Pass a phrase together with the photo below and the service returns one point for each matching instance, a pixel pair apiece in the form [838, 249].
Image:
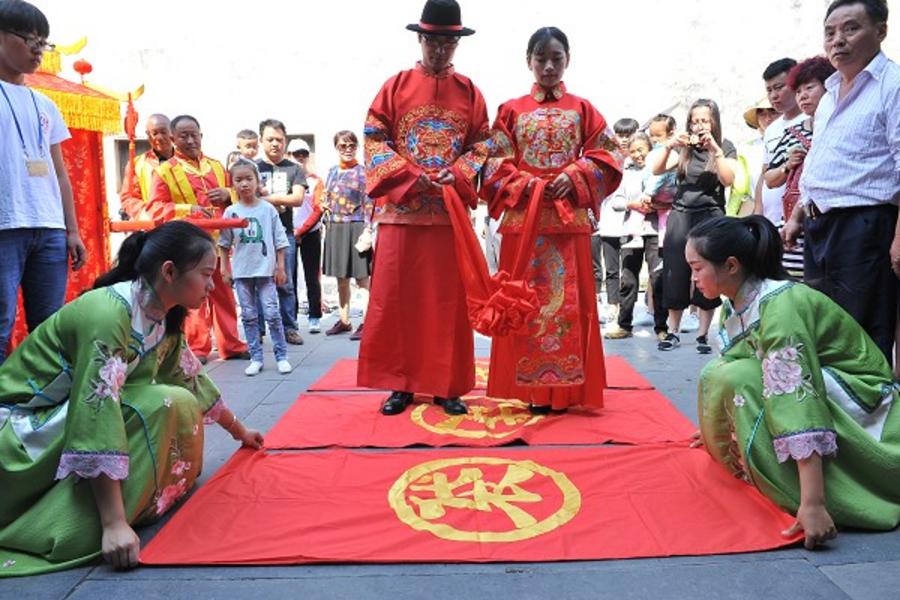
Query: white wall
[316, 65]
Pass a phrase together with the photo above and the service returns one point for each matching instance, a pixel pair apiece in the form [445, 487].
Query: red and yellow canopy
[81, 106]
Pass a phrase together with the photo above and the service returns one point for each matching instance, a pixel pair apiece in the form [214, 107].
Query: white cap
[297, 145]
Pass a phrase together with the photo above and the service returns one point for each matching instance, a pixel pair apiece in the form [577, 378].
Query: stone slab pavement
[858, 565]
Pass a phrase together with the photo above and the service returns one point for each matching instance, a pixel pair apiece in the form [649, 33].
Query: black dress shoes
[539, 410]
[452, 406]
[396, 403]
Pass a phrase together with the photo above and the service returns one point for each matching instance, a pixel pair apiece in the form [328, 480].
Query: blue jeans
[37, 260]
[287, 293]
[251, 290]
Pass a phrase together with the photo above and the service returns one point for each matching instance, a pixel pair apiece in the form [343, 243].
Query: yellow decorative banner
[81, 106]
[87, 112]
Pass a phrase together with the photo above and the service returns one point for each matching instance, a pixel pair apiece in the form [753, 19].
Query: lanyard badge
[36, 167]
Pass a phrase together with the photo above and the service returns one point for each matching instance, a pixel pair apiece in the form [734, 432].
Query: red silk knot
[511, 306]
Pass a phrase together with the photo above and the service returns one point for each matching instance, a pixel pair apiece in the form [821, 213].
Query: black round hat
[441, 17]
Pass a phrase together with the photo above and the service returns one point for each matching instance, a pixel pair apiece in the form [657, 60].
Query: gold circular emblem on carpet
[509, 500]
[487, 418]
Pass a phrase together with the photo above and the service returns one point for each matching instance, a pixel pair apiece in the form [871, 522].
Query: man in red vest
[191, 184]
[159, 134]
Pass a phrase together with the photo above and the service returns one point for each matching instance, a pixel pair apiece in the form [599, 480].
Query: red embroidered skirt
[417, 336]
[560, 362]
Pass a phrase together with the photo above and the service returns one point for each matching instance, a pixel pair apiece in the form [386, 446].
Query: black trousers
[310, 248]
[660, 313]
[597, 262]
[607, 248]
[847, 257]
[632, 261]
[676, 271]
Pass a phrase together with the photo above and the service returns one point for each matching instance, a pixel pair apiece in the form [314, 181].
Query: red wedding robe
[560, 361]
[418, 337]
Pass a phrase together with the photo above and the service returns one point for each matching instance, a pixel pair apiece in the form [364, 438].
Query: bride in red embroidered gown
[561, 139]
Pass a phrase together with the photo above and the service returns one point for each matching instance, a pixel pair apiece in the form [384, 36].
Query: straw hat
[751, 115]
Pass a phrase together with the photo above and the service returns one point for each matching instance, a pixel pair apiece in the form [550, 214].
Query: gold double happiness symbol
[422, 495]
[511, 414]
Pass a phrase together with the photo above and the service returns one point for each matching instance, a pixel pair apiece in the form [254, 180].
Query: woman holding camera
[706, 165]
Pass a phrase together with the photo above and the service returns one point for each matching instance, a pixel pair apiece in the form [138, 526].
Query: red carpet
[342, 376]
[353, 421]
[467, 506]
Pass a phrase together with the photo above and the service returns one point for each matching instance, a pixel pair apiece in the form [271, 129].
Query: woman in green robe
[102, 407]
[801, 401]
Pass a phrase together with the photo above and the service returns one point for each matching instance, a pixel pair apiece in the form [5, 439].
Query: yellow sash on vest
[143, 170]
[175, 177]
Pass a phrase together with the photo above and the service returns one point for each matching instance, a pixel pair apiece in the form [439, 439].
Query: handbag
[364, 241]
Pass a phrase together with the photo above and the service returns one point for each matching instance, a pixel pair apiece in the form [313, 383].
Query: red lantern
[82, 67]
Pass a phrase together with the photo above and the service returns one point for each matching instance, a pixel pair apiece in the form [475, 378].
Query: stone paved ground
[856, 565]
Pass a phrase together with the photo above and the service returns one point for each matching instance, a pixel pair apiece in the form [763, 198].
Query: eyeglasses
[33, 42]
[440, 41]
[346, 146]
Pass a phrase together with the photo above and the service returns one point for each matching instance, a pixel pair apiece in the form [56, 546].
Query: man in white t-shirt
[38, 230]
[782, 99]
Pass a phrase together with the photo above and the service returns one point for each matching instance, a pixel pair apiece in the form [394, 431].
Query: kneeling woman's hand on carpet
[696, 439]
[249, 438]
[812, 517]
[120, 545]
[815, 523]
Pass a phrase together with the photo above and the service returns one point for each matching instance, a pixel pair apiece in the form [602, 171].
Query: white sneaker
[284, 367]
[314, 326]
[609, 314]
[690, 323]
[253, 368]
[642, 318]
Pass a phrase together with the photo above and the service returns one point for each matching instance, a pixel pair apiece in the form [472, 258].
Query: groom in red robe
[427, 127]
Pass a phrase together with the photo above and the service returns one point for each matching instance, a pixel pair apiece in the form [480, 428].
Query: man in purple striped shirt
[851, 180]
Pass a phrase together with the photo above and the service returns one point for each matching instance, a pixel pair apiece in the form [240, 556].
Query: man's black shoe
[396, 403]
[452, 406]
